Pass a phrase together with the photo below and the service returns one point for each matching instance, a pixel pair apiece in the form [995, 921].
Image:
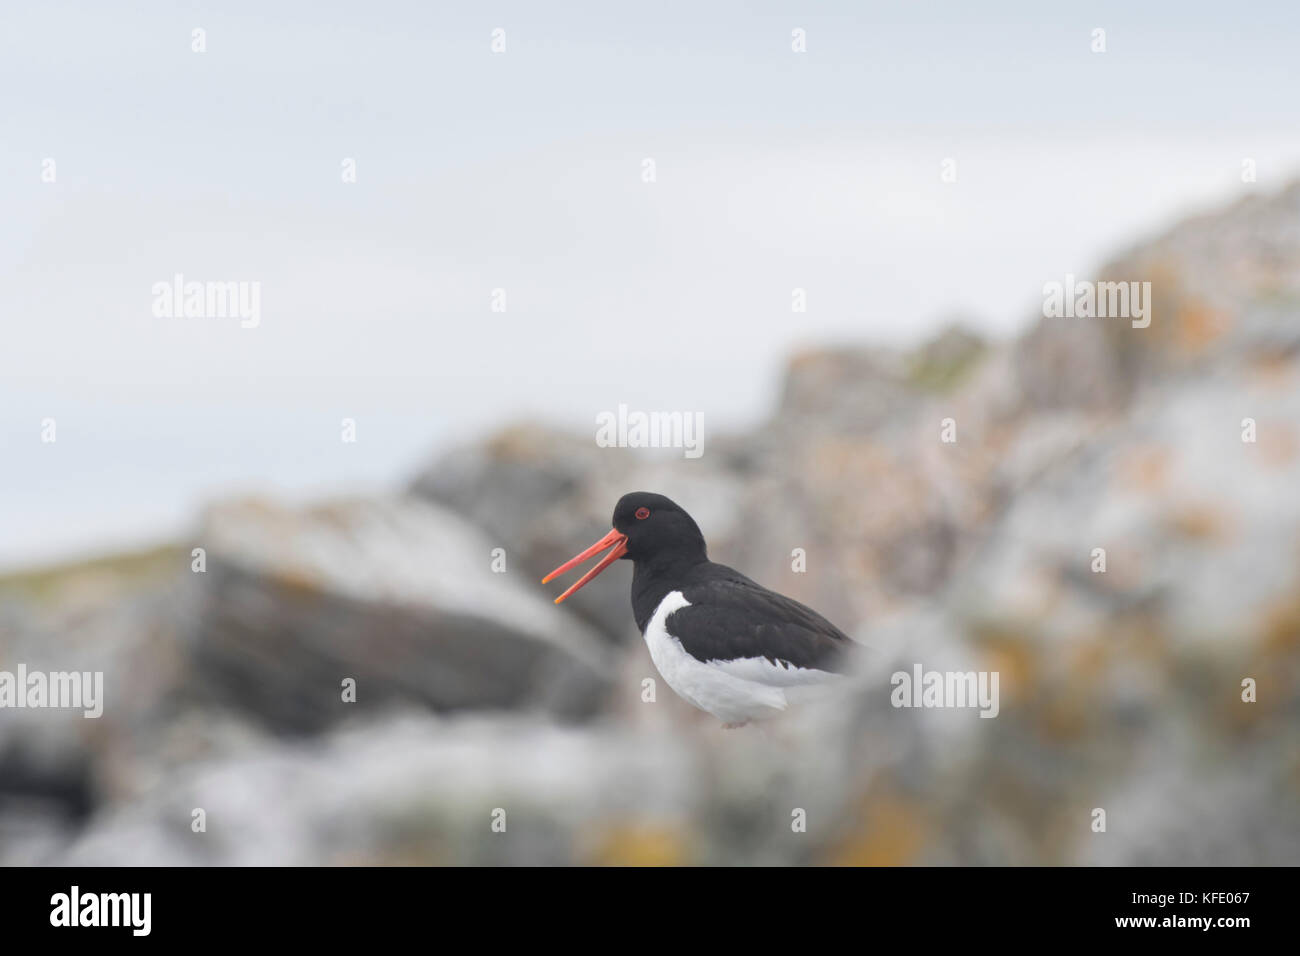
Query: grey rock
[397, 595]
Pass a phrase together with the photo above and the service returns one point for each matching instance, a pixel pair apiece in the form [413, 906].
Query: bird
[722, 642]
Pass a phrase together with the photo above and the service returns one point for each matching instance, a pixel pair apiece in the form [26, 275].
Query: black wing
[731, 617]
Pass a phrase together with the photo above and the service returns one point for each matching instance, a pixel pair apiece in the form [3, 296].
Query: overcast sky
[523, 170]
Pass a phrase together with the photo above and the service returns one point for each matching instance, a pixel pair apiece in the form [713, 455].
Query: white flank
[733, 691]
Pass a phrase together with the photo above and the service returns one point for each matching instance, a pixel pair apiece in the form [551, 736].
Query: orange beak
[615, 540]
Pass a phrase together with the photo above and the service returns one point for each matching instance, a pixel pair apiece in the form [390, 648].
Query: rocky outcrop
[1113, 529]
[396, 595]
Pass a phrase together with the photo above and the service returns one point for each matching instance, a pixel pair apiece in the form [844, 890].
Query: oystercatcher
[722, 642]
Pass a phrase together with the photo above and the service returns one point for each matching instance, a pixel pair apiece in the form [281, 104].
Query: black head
[648, 528]
[656, 527]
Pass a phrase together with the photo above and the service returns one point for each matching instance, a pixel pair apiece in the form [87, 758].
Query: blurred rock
[407, 789]
[1120, 689]
[398, 595]
[113, 615]
[1085, 433]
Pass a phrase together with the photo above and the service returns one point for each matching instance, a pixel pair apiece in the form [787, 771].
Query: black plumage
[732, 617]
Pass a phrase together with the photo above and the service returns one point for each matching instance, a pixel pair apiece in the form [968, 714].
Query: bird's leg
[735, 726]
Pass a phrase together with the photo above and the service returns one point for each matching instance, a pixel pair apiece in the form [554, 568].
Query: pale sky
[523, 171]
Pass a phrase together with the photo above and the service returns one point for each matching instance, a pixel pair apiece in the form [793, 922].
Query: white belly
[733, 691]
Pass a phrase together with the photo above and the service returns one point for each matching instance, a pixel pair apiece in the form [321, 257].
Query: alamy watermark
[635, 429]
[75, 908]
[922, 688]
[1098, 300]
[179, 299]
[55, 690]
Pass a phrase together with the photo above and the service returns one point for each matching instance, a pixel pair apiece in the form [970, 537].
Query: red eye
[642, 513]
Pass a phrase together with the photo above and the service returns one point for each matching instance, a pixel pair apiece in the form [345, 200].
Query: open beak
[615, 540]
